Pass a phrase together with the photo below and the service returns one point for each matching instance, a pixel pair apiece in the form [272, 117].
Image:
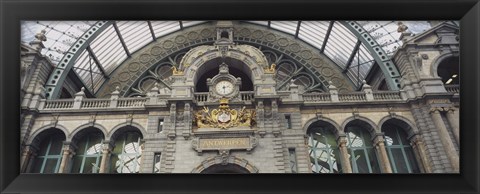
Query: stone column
[420, 154]
[67, 155]
[27, 158]
[453, 119]
[342, 145]
[445, 139]
[106, 152]
[379, 143]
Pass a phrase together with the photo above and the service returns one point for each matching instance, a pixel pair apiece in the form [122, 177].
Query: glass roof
[123, 38]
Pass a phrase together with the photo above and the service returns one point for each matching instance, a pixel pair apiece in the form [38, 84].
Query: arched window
[448, 70]
[126, 155]
[400, 153]
[49, 155]
[89, 153]
[323, 149]
[360, 149]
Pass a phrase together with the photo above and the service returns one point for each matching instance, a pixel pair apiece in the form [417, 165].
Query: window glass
[89, 154]
[156, 162]
[324, 152]
[293, 160]
[125, 157]
[49, 155]
[399, 151]
[362, 154]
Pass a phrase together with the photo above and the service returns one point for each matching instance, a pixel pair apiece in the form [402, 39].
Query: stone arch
[86, 126]
[437, 61]
[307, 125]
[218, 160]
[371, 126]
[252, 58]
[412, 129]
[118, 129]
[160, 50]
[35, 135]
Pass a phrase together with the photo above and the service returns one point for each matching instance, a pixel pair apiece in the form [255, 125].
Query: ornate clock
[223, 85]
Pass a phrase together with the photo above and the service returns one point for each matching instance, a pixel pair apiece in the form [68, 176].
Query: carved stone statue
[401, 27]
[41, 36]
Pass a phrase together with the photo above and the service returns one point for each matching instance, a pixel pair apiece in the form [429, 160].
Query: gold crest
[224, 117]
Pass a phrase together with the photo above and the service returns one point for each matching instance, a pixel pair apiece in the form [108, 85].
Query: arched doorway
[225, 169]
[225, 165]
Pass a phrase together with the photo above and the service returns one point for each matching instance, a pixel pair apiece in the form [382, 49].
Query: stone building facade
[213, 98]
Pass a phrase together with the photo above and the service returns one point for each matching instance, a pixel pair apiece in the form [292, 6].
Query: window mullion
[392, 160]
[314, 148]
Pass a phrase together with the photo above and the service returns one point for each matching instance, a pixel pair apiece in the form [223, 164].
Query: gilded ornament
[271, 69]
[175, 71]
[224, 117]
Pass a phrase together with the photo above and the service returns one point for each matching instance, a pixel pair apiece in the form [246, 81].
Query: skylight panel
[289, 27]
[136, 34]
[313, 32]
[108, 49]
[191, 23]
[263, 23]
[162, 28]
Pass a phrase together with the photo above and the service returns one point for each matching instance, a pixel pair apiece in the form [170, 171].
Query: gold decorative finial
[270, 70]
[175, 71]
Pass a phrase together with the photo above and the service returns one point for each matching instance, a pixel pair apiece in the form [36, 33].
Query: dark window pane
[38, 165]
[77, 163]
[399, 160]
[55, 147]
[113, 163]
[411, 159]
[50, 166]
[44, 147]
[361, 161]
[373, 160]
[81, 146]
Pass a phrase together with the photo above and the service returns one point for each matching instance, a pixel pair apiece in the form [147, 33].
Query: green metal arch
[58, 75]
[392, 75]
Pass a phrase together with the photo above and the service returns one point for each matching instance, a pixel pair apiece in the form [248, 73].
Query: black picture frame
[12, 12]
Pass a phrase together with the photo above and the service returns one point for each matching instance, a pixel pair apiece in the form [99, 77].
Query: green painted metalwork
[324, 152]
[58, 75]
[392, 75]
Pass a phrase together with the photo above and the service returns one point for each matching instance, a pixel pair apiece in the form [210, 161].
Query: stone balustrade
[95, 103]
[317, 97]
[58, 104]
[131, 102]
[91, 103]
[387, 95]
[352, 97]
[201, 96]
[245, 96]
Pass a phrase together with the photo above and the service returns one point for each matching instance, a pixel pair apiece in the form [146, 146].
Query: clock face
[224, 87]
